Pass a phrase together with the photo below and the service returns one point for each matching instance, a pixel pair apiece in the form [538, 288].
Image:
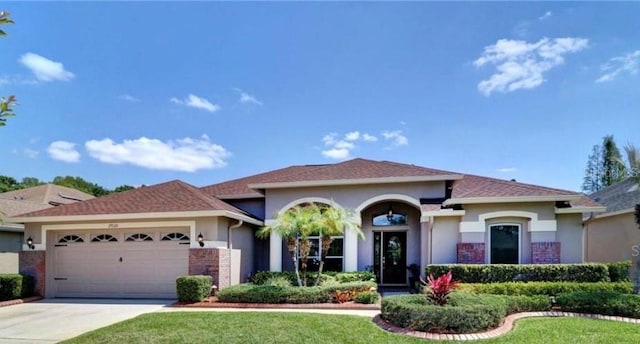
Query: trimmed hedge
[545, 288]
[606, 303]
[464, 313]
[15, 286]
[252, 293]
[261, 277]
[194, 288]
[491, 273]
[619, 271]
[367, 297]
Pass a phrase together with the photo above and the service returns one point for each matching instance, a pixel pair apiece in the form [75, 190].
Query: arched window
[70, 238]
[139, 237]
[104, 238]
[175, 237]
[386, 219]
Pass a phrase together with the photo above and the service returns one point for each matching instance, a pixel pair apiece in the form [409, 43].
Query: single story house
[614, 235]
[134, 243]
[22, 201]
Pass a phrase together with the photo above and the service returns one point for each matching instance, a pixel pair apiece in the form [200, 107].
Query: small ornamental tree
[440, 288]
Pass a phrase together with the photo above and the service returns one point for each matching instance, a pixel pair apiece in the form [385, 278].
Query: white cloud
[129, 98]
[4, 80]
[396, 137]
[340, 148]
[336, 153]
[63, 151]
[185, 155]
[196, 102]
[30, 153]
[246, 98]
[352, 136]
[369, 138]
[520, 65]
[507, 169]
[628, 63]
[44, 69]
[545, 16]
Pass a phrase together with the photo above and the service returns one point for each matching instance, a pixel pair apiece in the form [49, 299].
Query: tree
[81, 184]
[297, 224]
[613, 169]
[28, 182]
[592, 180]
[123, 187]
[6, 104]
[633, 161]
[8, 184]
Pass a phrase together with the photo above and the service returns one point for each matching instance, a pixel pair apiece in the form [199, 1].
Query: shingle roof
[10, 207]
[47, 194]
[173, 196]
[478, 186]
[620, 196]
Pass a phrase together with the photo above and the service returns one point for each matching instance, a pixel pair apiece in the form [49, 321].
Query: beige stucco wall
[350, 197]
[611, 238]
[445, 236]
[545, 211]
[570, 235]
[8, 262]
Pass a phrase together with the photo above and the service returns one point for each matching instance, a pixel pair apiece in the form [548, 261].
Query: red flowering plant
[440, 288]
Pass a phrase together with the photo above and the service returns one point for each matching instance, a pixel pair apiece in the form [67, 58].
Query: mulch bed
[212, 302]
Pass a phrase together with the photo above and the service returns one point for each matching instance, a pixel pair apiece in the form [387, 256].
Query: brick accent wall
[33, 263]
[545, 252]
[214, 262]
[471, 253]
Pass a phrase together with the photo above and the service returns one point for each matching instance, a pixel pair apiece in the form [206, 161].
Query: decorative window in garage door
[104, 238]
[175, 237]
[139, 237]
[70, 238]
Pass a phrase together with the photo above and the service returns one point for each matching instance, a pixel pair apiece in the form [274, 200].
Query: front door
[390, 257]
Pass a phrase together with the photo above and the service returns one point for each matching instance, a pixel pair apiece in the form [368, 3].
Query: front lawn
[272, 327]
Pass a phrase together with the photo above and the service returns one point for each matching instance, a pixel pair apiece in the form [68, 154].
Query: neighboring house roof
[170, 197]
[619, 197]
[10, 207]
[49, 194]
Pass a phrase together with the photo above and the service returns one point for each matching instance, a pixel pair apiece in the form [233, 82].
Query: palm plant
[633, 159]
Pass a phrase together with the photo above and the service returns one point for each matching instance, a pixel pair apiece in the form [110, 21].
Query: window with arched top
[104, 238]
[71, 238]
[395, 219]
[139, 237]
[175, 237]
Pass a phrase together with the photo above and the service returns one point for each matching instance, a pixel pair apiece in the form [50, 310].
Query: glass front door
[505, 246]
[390, 257]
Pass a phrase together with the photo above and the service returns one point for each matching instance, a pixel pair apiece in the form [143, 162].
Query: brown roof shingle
[47, 194]
[173, 196]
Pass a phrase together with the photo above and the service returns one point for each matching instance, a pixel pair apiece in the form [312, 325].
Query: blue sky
[141, 93]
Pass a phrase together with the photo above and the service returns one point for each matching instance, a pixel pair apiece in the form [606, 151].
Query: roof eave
[134, 216]
[359, 181]
[511, 199]
[580, 210]
[615, 213]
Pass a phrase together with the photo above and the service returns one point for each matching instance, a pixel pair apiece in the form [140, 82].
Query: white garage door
[136, 264]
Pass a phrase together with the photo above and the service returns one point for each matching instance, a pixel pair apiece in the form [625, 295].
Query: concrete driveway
[50, 321]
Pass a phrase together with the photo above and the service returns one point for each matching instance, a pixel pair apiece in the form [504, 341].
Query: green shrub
[619, 271]
[261, 277]
[279, 281]
[521, 303]
[367, 297]
[356, 276]
[606, 303]
[193, 288]
[10, 286]
[544, 288]
[28, 285]
[464, 313]
[489, 273]
[251, 293]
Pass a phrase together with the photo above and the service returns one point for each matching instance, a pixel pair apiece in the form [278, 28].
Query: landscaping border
[20, 301]
[506, 326]
[216, 304]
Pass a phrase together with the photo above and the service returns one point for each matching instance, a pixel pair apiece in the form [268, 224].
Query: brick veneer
[471, 253]
[33, 263]
[545, 252]
[214, 262]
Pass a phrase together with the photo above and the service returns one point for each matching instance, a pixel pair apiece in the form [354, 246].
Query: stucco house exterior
[22, 201]
[140, 240]
[614, 235]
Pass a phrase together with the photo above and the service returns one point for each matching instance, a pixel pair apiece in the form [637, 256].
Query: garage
[136, 263]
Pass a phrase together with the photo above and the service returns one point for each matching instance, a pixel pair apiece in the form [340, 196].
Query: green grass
[272, 327]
